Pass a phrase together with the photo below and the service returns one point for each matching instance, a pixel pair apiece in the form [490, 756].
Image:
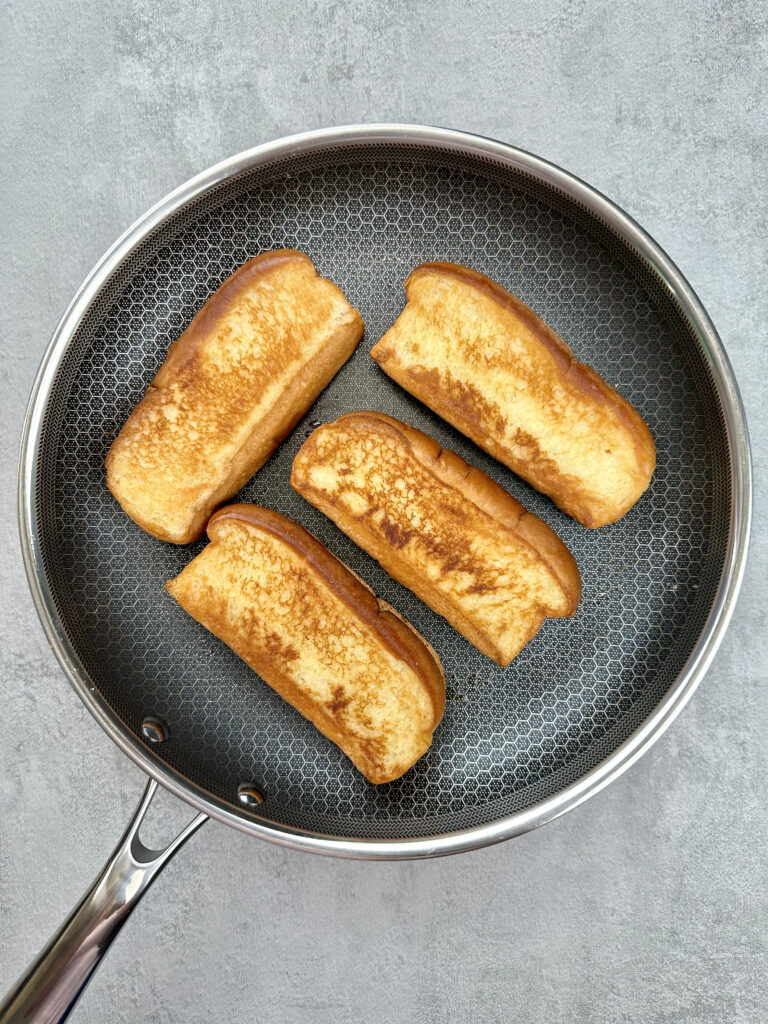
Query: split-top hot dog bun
[484, 361]
[317, 634]
[231, 388]
[442, 528]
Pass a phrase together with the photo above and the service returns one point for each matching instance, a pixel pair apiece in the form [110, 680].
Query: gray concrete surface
[646, 904]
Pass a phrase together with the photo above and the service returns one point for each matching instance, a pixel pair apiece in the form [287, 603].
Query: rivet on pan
[154, 730]
[249, 796]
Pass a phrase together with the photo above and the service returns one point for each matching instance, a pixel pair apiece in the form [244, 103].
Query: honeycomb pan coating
[510, 737]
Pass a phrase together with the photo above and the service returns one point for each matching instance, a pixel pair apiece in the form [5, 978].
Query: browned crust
[486, 494]
[395, 632]
[584, 376]
[505, 299]
[474, 486]
[579, 374]
[187, 346]
[284, 414]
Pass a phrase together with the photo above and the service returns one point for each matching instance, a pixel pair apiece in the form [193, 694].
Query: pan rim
[632, 748]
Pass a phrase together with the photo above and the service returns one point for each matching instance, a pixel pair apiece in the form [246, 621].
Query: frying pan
[517, 746]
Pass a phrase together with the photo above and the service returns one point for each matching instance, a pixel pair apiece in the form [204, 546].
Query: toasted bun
[317, 634]
[234, 384]
[488, 365]
[443, 529]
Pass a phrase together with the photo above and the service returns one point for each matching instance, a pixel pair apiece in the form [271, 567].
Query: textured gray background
[647, 903]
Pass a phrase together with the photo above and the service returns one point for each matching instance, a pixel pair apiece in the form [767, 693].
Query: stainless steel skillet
[517, 747]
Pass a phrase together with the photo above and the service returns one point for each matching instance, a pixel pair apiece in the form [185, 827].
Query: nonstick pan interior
[510, 738]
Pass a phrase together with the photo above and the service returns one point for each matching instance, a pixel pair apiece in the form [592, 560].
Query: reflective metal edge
[741, 501]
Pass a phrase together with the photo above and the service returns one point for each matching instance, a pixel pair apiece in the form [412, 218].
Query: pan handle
[47, 993]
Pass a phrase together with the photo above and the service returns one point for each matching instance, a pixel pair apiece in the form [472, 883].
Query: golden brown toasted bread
[234, 384]
[489, 366]
[443, 529]
[316, 633]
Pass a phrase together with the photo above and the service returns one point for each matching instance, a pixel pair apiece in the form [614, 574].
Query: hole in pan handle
[51, 986]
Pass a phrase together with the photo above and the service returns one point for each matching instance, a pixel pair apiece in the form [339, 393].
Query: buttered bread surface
[312, 630]
[443, 529]
[234, 384]
[487, 364]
